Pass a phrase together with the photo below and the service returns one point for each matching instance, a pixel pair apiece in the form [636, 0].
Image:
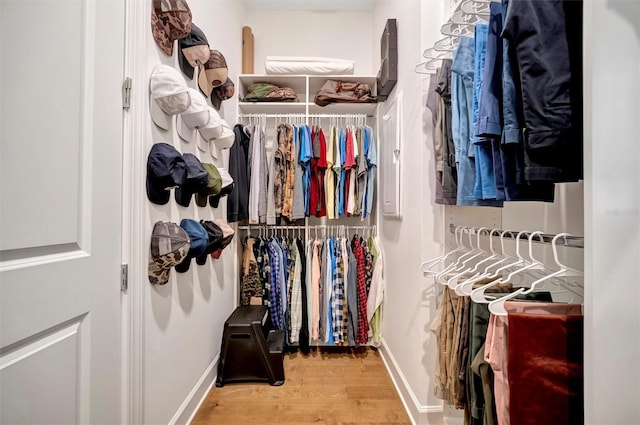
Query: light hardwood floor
[327, 387]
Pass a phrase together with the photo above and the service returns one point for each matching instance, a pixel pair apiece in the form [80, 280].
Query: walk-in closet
[329, 212]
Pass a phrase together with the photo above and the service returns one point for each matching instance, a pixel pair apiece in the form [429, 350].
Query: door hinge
[124, 277]
[126, 93]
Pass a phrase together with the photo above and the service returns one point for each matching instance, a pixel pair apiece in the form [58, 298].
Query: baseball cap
[227, 236]
[169, 95]
[196, 180]
[213, 188]
[166, 169]
[194, 51]
[218, 132]
[170, 20]
[169, 247]
[223, 92]
[214, 73]
[227, 187]
[199, 240]
[215, 238]
[196, 116]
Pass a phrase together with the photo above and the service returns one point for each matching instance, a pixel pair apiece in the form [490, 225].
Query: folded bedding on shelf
[308, 65]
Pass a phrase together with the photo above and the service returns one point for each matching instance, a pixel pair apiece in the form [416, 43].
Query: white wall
[177, 328]
[409, 300]
[612, 206]
[334, 34]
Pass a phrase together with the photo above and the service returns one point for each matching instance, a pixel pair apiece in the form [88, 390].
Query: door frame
[134, 240]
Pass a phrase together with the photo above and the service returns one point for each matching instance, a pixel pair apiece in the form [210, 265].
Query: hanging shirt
[362, 329]
[271, 200]
[337, 296]
[305, 157]
[297, 211]
[315, 290]
[275, 308]
[342, 140]
[374, 302]
[238, 199]
[337, 168]
[285, 138]
[330, 187]
[295, 296]
[372, 164]
[263, 178]
[331, 272]
[254, 186]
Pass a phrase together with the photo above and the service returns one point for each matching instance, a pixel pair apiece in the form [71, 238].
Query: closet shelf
[272, 107]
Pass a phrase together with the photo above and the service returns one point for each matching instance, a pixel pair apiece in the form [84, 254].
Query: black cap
[196, 39]
[197, 179]
[215, 240]
[214, 200]
[166, 169]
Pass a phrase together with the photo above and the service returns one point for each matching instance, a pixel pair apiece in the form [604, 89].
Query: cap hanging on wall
[170, 21]
[194, 51]
[169, 95]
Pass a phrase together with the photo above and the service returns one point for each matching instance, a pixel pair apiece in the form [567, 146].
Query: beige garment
[496, 352]
[315, 290]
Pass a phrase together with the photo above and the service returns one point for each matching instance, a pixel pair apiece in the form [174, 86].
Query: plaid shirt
[362, 330]
[275, 306]
[337, 297]
[262, 259]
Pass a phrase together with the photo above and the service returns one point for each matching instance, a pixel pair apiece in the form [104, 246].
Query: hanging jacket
[238, 199]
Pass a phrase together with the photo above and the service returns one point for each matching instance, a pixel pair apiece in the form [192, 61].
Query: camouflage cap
[169, 246]
[170, 21]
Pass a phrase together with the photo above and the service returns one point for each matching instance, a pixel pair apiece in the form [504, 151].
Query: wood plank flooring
[326, 387]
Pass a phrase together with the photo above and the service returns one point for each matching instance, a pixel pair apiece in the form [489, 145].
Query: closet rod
[305, 115]
[316, 226]
[543, 238]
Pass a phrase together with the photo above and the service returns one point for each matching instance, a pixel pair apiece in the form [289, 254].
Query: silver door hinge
[124, 277]
[126, 93]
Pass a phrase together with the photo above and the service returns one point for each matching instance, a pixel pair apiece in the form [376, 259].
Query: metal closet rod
[305, 115]
[302, 226]
[571, 241]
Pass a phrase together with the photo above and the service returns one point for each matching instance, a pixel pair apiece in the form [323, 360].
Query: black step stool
[250, 350]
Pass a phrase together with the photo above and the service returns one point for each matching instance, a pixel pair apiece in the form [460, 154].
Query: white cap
[213, 129]
[169, 95]
[226, 138]
[195, 117]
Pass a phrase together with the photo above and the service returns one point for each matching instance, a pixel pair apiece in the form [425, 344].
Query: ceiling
[310, 4]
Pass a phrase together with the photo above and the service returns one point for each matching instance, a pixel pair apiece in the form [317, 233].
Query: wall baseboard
[196, 396]
[419, 414]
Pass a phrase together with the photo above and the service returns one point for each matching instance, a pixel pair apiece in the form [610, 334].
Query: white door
[61, 64]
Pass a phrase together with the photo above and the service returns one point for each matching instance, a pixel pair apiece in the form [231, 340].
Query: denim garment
[489, 120]
[449, 174]
[462, 107]
[546, 37]
[485, 185]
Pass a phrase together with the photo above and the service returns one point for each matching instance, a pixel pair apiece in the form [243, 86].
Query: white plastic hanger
[465, 288]
[426, 266]
[464, 269]
[453, 267]
[497, 306]
[477, 294]
[475, 271]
